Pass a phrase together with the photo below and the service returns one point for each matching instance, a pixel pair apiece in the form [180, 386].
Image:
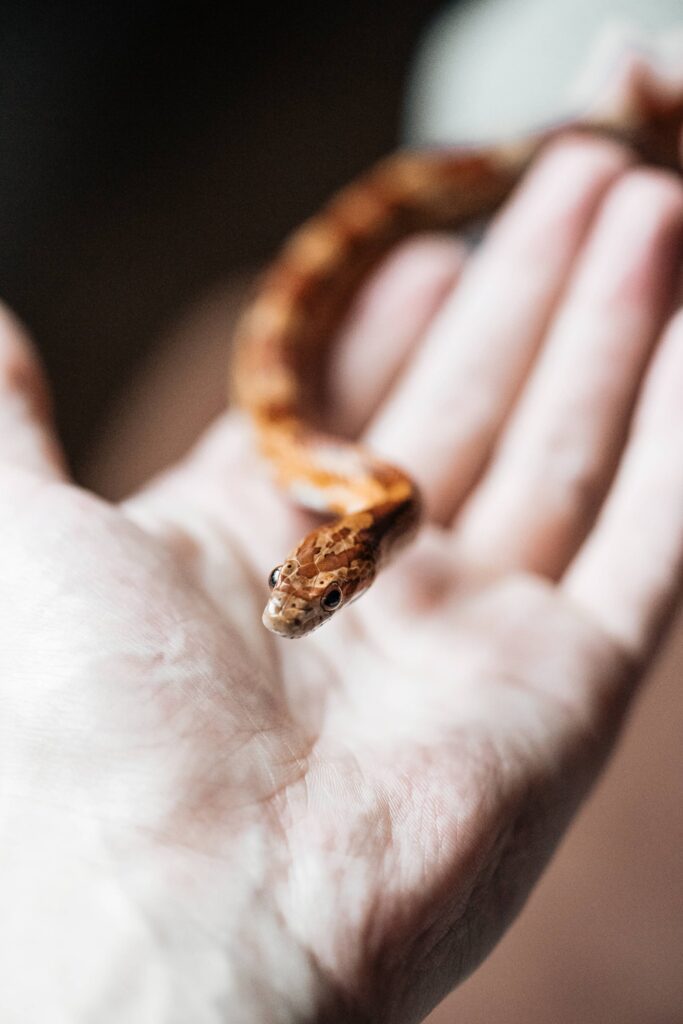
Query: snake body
[300, 301]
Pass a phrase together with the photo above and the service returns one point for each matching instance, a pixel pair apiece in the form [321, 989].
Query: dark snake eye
[274, 576]
[331, 599]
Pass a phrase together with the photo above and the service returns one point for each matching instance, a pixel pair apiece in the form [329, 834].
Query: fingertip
[571, 173]
[16, 349]
[583, 153]
[427, 259]
[26, 427]
[647, 189]
[21, 370]
[634, 250]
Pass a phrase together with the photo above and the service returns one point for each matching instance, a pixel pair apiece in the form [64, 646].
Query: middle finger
[443, 416]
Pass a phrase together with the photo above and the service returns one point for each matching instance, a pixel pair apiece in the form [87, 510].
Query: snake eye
[274, 576]
[331, 599]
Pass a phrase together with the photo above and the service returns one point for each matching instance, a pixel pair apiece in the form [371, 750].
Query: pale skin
[202, 822]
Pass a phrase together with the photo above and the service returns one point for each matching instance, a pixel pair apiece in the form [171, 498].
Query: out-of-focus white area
[487, 69]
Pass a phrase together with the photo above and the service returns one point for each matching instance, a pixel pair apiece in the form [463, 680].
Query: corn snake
[300, 302]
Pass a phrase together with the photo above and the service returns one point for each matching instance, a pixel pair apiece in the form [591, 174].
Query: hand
[202, 822]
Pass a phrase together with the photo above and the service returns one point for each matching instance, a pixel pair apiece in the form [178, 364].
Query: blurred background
[152, 158]
[150, 151]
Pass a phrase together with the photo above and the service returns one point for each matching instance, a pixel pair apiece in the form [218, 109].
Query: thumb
[27, 434]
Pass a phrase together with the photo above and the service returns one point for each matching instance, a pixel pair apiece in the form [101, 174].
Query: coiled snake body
[299, 303]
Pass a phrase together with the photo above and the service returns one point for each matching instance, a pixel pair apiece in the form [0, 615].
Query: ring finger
[556, 457]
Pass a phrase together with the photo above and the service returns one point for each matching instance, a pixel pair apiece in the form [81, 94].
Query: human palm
[204, 822]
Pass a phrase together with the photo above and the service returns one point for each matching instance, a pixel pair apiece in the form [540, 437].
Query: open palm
[204, 822]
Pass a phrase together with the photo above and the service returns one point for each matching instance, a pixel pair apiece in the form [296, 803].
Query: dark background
[148, 153]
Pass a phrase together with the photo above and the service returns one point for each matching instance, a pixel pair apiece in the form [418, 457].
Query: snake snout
[284, 616]
[274, 623]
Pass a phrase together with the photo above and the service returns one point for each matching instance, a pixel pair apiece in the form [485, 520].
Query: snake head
[315, 581]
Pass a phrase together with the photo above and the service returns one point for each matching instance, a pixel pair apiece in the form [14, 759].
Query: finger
[443, 417]
[627, 574]
[387, 319]
[559, 450]
[27, 437]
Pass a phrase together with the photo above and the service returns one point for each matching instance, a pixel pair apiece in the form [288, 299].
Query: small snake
[302, 298]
